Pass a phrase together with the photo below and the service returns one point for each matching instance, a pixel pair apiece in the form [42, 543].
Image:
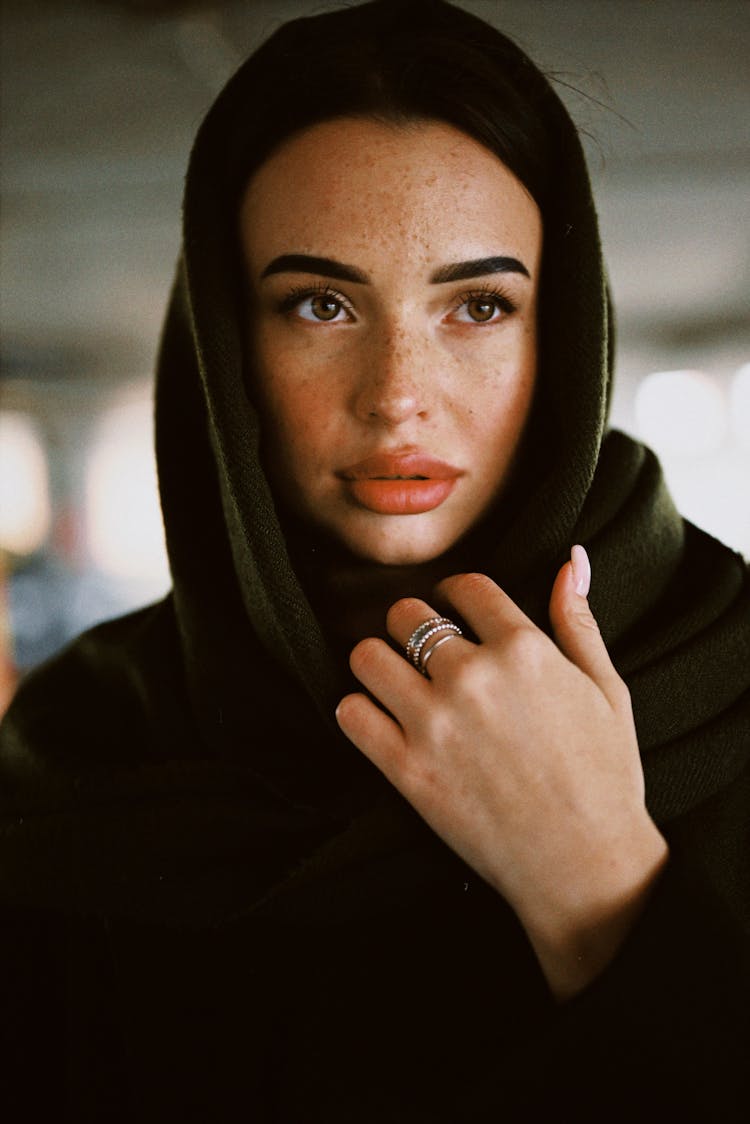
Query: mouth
[408, 483]
[399, 477]
[401, 466]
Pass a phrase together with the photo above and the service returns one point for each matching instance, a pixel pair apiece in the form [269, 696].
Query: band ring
[424, 632]
[426, 655]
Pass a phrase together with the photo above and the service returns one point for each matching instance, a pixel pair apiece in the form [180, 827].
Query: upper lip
[386, 465]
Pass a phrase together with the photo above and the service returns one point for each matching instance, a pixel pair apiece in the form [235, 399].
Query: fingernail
[579, 560]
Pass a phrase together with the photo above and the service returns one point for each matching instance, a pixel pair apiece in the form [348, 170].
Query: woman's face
[393, 277]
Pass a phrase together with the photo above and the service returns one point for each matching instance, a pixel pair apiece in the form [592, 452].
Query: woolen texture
[214, 907]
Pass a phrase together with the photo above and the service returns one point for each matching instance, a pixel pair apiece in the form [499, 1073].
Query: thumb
[575, 629]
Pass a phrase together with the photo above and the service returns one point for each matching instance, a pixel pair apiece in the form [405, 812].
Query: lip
[373, 484]
[400, 464]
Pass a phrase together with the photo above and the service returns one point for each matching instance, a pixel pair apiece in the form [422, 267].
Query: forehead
[365, 188]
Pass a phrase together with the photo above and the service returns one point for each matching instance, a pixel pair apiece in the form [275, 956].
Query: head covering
[222, 430]
[203, 730]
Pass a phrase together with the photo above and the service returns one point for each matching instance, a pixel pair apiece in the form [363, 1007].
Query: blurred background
[100, 101]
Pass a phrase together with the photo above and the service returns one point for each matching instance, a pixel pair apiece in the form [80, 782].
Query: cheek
[500, 402]
[296, 419]
[282, 394]
[304, 386]
[518, 409]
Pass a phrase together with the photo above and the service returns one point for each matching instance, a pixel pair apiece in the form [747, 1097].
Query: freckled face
[393, 276]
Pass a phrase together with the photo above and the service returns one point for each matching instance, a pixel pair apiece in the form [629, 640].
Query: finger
[406, 616]
[390, 678]
[371, 731]
[575, 629]
[486, 608]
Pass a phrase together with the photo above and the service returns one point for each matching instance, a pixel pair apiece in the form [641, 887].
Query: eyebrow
[465, 270]
[329, 267]
[304, 263]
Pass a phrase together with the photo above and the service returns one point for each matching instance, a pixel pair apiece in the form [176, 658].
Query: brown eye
[481, 309]
[325, 307]
[318, 305]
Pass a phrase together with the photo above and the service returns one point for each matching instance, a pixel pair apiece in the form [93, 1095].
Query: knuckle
[416, 778]
[578, 614]
[434, 729]
[530, 653]
[476, 583]
[402, 611]
[527, 644]
[473, 678]
[365, 655]
[346, 709]
[463, 677]
[586, 619]
[467, 584]
[476, 579]
[351, 715]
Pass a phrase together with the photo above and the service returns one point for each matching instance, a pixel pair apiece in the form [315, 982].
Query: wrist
[580, 928]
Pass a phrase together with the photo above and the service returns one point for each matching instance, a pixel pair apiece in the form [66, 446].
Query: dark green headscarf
[179, 762]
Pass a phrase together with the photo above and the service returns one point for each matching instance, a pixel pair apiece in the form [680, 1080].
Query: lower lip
[400, 497]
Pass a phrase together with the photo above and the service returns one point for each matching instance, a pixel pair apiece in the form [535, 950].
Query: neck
[351, 596]
[353, 599]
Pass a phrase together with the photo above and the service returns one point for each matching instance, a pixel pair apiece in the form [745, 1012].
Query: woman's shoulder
[687, 665]
[91, 700]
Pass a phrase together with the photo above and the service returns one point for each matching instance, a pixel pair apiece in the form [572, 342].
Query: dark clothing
[191, 944]
[215, 907]
[431, 1009]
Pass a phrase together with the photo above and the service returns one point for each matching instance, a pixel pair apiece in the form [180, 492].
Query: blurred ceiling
[100, 101]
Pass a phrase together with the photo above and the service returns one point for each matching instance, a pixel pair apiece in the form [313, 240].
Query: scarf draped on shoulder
[183, 763]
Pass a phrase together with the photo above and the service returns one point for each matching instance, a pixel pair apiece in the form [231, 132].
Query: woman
[381, 410]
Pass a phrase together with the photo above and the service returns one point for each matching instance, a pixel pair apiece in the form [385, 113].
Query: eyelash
[489, 293]
[299, 293]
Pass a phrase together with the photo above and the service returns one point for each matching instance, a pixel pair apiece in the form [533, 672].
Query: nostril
[393, 410]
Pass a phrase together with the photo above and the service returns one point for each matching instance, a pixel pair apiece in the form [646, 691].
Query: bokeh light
[24, 488]
[681, 412]
[739, 409]
[699, 427]
[123, 517]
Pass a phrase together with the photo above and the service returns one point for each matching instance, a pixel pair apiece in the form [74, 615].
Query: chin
[402, 545]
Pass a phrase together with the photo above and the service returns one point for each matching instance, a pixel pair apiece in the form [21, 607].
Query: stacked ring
[424, 632]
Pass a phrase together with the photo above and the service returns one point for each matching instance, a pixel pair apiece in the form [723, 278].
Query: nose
[393, 387]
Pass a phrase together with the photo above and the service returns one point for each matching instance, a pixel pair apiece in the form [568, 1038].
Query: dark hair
[406, 60]
[400, 60]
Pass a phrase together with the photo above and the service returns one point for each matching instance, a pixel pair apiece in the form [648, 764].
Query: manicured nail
[579, 560]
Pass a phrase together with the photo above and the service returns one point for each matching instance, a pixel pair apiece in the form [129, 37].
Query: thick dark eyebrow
[305, 263]
[465, 270]
[329, 267]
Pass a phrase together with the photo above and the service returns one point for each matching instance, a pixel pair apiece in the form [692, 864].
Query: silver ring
[419, 631]
[423, 633]
[426, 655]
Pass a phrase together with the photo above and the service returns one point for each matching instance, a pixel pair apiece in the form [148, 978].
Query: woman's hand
[522, 755]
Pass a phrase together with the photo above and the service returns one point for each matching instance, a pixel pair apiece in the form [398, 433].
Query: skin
[519, 751]
[407, 368]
